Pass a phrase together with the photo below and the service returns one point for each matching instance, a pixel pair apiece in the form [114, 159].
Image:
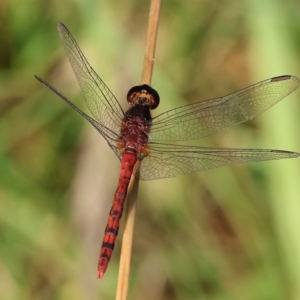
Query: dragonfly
[137, 138]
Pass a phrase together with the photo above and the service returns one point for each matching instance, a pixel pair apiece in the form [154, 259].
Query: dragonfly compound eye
[143, 95]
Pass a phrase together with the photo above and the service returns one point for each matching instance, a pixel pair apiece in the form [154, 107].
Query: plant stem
[123, 279]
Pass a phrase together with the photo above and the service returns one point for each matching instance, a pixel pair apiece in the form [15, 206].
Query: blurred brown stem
[151, 42]
[123, 279]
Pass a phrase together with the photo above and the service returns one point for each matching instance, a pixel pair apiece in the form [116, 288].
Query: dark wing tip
[281, 78]
[61, 26]
[38, 78]
[287, 153]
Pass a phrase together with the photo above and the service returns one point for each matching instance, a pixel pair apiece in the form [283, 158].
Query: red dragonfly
[135, 136]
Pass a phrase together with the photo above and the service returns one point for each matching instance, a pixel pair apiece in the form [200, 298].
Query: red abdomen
[128, 161]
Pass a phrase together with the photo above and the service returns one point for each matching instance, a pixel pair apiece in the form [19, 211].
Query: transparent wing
[110, 136]
[167, 161]
[100, 100]
[207, 117]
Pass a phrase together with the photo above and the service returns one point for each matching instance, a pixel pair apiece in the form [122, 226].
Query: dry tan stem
[123, 279]
[151, 42]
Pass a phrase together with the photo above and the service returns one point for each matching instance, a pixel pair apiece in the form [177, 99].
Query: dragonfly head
[143, 95]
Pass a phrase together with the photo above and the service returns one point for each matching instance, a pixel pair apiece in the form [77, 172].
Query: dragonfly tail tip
[100, 274]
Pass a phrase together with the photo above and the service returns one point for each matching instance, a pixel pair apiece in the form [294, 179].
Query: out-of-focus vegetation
[229, 233]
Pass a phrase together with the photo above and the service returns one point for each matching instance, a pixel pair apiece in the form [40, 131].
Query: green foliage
[230, 233]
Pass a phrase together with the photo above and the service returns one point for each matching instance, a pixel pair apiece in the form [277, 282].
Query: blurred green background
[229, 233]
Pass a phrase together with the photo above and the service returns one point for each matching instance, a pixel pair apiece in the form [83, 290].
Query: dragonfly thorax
[135, 130]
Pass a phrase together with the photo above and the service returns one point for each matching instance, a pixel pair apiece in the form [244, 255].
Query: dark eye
[149, 92]
[132, 92]
[154, 95]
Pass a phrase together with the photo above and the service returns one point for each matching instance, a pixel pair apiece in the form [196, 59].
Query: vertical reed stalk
[123, 279]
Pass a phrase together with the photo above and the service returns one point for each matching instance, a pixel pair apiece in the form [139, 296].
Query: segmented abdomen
[128, 161]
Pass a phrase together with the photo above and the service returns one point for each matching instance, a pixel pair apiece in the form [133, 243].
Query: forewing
[100, 100]
[167, 161]
[110, 136]
[207, 117]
